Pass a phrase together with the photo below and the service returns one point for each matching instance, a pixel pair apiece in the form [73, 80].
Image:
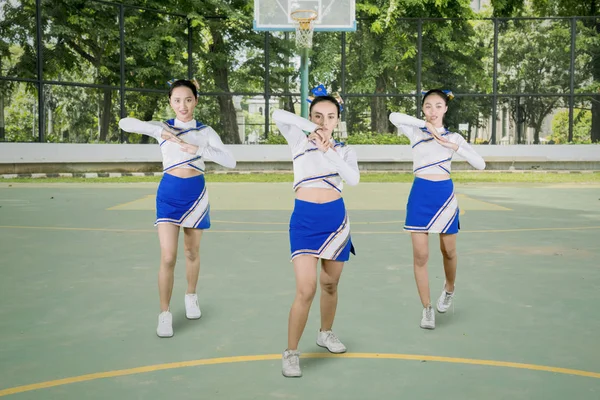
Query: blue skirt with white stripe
[320, 230]
[432, 207]
[183, 202]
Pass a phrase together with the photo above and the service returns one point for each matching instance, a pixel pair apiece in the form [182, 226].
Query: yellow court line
[265, 357]
[575, 228]
[287, 223]
[119, 230]
[119, 206]
[248, 222]
[61, 228]
[493, 205]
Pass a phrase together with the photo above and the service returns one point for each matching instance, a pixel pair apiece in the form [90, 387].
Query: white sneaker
[328, 340]
[192, 309]
[445, 300]
[428, 320]
[165, 324]
[291, 363]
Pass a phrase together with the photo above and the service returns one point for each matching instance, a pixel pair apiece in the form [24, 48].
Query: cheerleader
[319, 225]
[181, 199]
[432, 205]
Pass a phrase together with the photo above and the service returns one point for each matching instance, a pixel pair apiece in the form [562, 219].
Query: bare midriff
[184, 172]
[317, 195]
[434, 177]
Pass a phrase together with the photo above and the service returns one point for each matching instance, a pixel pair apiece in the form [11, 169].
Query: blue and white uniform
[432, 205]
[183, 201]
[319, 230]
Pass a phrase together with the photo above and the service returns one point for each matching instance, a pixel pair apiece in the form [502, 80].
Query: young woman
[181, 200]
[319, 225]
[432, 206]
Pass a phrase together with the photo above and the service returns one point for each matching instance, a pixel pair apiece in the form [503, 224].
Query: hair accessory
[193, 80]
[447, 92]
[321, 91]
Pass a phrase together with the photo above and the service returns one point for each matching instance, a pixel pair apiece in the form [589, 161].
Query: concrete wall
[23, 158]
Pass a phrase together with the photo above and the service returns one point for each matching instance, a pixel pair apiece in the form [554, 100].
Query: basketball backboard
[332, 15]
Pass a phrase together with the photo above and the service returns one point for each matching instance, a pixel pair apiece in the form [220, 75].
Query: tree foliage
[81, 43]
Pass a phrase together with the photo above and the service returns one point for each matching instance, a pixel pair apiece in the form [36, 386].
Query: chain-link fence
[70, 70]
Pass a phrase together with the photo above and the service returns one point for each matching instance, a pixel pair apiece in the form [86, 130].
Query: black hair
[439, 92]
[319, 99]
[186, 83]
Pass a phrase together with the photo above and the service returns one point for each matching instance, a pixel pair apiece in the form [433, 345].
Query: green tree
[588, 49]
[16, 58]
[531, 62]
[382, 58]
[220, 41]
[155, 52]
[80, 33]
[582, 122]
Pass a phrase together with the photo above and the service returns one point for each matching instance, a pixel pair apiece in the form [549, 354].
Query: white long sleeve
[134, 125]
[429, 157]
[403, 119]
[466, 151]
[346, 167]
[407, 125]
[292, 126]
[208, 141]
[313, 168]
[214, 149]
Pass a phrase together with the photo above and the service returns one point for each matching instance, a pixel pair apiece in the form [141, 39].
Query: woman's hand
[170, 137]
[446, 143]
[432, 130]
[185, 146]
[318, 138]
[188, 148]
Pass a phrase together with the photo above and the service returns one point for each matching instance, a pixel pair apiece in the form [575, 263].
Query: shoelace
[294, 359]
[429, 313]
[447, 298]
[331, 337]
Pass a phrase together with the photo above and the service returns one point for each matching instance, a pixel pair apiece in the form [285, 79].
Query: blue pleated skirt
[432, 207]
[183, 202]
[320, 230]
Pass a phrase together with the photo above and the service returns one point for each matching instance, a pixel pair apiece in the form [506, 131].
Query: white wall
[16, 153]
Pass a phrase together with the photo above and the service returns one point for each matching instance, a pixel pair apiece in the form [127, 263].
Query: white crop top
[209, 144]
[312, 167]
[429, 157]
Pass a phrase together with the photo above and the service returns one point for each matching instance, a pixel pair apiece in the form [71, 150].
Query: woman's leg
[168, 236]
[329, 279]
[420, 242]
[305, 268]
[192, 257]
[192, 269]
[448, 248]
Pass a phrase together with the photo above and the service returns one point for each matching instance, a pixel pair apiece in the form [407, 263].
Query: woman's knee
[306, 292]
[192, 255]
[420, 257]
[329, 287]
[168, 258]
[449, 253]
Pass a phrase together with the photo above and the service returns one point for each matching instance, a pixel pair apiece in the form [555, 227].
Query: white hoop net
[303, 19]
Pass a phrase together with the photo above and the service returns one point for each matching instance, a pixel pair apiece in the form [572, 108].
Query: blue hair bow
[322, 91]
[319, 91]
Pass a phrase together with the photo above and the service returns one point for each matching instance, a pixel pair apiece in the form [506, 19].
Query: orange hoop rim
[304, 20]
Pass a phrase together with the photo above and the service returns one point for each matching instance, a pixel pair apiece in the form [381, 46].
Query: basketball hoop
[303, 20]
